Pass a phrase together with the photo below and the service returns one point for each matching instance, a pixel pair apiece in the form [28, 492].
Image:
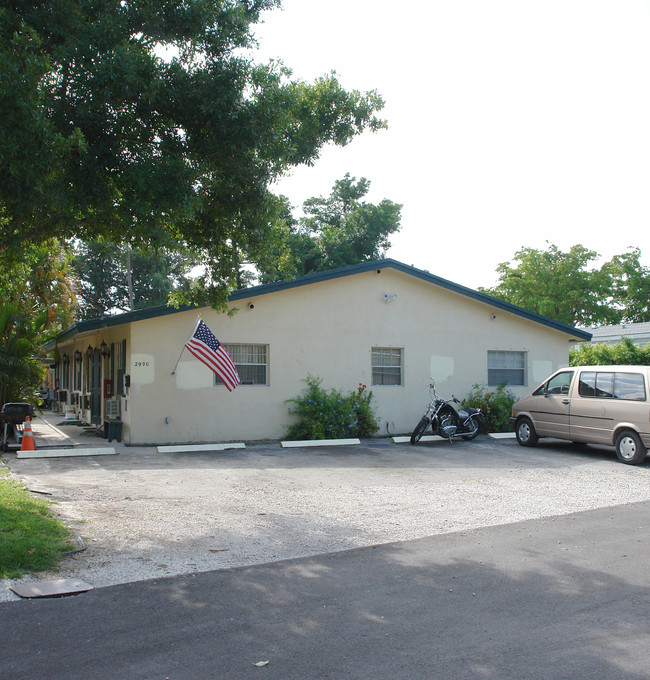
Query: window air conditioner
[112, 409]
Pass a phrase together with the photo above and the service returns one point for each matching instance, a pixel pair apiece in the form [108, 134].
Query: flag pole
[198, 321]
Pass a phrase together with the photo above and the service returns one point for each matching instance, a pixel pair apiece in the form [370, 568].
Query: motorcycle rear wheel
[472, 430]
[420, 429]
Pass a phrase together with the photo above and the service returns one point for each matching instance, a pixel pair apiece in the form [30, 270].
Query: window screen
[251, 362]
[387, 365]
[506, 367]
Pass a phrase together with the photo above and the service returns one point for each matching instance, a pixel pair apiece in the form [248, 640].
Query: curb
[65, 453]
[319, 442]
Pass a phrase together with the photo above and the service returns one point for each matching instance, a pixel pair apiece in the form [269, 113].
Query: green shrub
[331, 415]
[603, 354]
[496, 406]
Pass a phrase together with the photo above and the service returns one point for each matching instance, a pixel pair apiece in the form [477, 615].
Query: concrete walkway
[51, 431]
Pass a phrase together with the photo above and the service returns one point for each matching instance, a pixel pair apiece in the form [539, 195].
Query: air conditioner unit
[112, 409]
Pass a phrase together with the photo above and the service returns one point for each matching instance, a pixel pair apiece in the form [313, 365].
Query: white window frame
[246, 369]
[501, 364]
[382, 365]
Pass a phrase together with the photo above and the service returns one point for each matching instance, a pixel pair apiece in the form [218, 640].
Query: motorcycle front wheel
[472, 430]
[419, 430]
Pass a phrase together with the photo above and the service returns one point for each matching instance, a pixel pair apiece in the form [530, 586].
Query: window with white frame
[387, 365]
[506, 367]
[251, 361]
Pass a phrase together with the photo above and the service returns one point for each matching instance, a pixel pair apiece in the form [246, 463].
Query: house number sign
[142, 369]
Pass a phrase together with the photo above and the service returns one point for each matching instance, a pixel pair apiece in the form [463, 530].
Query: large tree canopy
[631, 285]
[558, 285]
[336, 231]
[142, 120]
[104, 270]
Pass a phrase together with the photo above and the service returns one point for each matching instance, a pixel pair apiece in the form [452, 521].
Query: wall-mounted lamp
[105, 351]
[77, 357]
[66, 359]
[89, 352]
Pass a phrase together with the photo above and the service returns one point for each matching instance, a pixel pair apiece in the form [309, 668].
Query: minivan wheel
[525, 432]
[629, 448]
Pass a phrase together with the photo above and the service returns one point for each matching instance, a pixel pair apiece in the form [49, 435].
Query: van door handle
[565, 401]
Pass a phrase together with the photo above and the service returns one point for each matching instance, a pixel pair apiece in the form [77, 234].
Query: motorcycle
[447, 420]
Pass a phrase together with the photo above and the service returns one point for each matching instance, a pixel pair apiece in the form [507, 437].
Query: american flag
[206, 348]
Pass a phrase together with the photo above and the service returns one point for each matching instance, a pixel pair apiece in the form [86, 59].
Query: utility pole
[129, 277]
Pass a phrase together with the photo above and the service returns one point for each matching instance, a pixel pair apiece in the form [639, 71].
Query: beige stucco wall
[326, 329]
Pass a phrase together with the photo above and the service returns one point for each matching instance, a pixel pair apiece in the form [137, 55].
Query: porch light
[66, 359]
[89, 351]
[77, 356]
[105, 351]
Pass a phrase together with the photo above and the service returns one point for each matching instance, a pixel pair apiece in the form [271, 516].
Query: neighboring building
[383, 324]
[639, 333]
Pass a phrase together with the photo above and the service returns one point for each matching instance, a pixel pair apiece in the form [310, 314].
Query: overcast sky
[511, 122]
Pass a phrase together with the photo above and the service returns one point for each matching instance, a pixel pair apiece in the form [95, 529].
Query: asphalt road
[565, 597]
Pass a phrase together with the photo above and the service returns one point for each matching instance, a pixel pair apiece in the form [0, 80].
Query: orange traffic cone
[28, 436]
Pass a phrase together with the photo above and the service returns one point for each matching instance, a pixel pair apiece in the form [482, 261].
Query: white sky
[511, 122]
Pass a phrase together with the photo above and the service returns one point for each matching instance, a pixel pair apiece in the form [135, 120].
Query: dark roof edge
[117, 320]
[163, 310]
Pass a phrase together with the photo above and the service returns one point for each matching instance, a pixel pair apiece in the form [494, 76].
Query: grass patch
[31, 539]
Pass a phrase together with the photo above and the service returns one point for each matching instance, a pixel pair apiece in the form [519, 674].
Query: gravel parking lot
[143, 515]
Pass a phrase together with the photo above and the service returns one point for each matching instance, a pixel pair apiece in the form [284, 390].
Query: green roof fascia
[378, 265]
[117, 320]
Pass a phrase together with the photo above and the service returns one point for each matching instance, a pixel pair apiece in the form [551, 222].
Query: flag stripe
[217, 364]
[226, 375]
[207, 349]
[216, 361]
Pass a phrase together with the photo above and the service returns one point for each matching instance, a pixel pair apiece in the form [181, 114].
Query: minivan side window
[608, 385]
[630, 386]
[558, 384]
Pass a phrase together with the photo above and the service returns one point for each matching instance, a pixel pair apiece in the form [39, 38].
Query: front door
[95, 387]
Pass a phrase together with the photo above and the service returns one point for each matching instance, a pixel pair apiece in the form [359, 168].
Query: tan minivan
[592, 405]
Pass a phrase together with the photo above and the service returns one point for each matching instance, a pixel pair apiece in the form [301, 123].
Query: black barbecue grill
[16, 413]
[12, 415]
